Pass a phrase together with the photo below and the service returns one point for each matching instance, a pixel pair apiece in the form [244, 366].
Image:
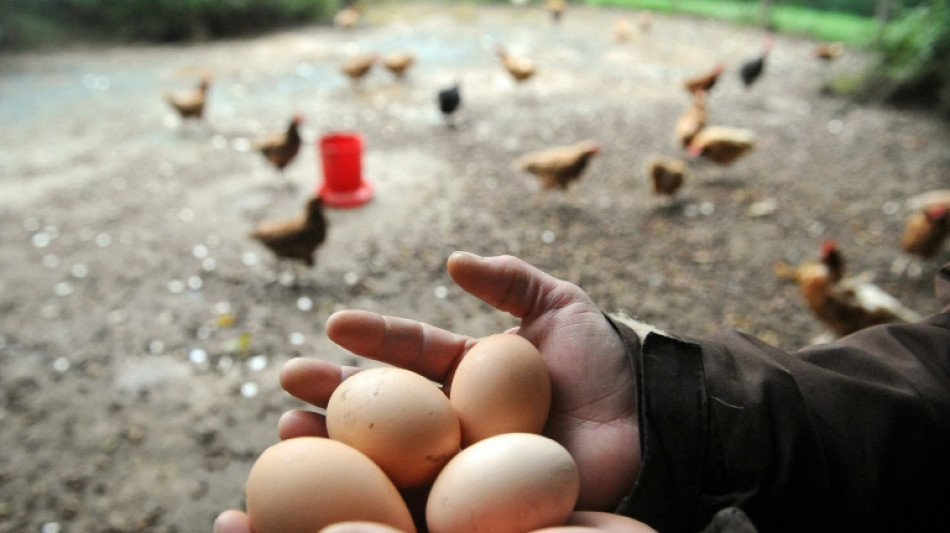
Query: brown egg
[301, 485]
[510, 483]
[399, 419]
[501, 386]
[603, 521]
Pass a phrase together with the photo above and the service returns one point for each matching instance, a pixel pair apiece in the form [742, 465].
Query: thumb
[509, 284]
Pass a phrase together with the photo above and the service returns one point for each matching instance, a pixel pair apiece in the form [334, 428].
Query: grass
[852, 30]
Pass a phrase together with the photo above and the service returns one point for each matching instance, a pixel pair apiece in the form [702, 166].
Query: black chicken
[752, 69]
[450, 99]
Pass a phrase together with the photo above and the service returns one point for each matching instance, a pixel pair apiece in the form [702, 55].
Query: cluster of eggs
[475, 455]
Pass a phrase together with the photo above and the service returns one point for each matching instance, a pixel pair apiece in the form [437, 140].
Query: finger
[232, 521]
[409, 344]
[508, 284]
[312, 380]
[300, 423]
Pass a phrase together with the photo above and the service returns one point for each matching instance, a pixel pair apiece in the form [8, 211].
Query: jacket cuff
[670, 403]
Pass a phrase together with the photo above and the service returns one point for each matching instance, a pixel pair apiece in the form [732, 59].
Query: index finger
[410, 344]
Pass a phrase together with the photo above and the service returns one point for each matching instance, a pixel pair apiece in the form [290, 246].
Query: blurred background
[163, 254]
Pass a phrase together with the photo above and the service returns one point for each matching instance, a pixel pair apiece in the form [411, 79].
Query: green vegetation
[29, 23]
[851, 29]
[915, 58]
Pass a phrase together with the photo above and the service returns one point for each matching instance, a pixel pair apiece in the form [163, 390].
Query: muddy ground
[142, 330]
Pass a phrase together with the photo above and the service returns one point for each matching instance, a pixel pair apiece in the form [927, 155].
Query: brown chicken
[191, 103]
[844, 304]
[399, 62]
[557, 167]
[692, 121]
[666, 176]
[556, 8]
[347, 17]
[623, 30]
[296, 239]
[358, 66]
[705, 81]
[828, 51]
[521, 69]
[925, 231]
[280, 148]
[645, 20]
[722, 144]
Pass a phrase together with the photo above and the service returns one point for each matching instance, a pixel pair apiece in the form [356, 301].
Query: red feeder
[343, 185]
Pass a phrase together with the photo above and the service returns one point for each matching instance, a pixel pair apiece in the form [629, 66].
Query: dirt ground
[142, 330]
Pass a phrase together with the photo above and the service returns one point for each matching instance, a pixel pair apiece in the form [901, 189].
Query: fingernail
[469, 255]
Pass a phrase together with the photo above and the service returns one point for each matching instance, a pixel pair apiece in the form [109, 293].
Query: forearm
[821, 440]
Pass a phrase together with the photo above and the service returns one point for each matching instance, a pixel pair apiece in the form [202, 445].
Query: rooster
[296, 239]
[843, 304]
[280, 148]
[399, 62]
[752, 69]
[191, 103]
[705, 81]
[557, 167]
[722, 144]
[925, 231]
[520, 69]
[692, 121]
[666, 176]
[358, 66]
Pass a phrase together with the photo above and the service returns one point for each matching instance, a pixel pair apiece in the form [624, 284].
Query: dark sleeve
[849, 436]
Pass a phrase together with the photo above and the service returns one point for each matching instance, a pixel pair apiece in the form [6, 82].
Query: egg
[399, 419]
[501, 386]
[301, 485]
[509, 483]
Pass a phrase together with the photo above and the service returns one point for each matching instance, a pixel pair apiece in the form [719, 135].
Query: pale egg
[399, 419]
[501, 386]
[301, 485]
[509, 483]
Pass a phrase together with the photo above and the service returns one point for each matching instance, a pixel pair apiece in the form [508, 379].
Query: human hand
[593, 407]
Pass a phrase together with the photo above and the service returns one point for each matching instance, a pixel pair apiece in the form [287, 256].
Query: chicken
[556, 9]
[722, 144]
[925, 231]
[666, 176]
[843, 304]
[752, 69]
[347, 17]
[623, 30]
[450, 99]
[399, 62]
[358, 66]
[191, 103]
[705, 81]
[557, 167]
[828, 51]
[645, 20]
[692, 121]
[521, 69]
[296, 239]
[280, 148]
